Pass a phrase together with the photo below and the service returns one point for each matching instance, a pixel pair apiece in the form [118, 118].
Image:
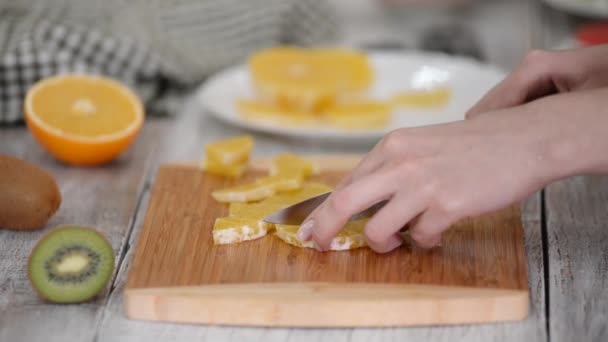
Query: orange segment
[244, 193]
[228, 230]
[291, 164]
[230, 151]
[262, 188]
[351, 236]
[83, 119]
[228, 170]
[261, 209]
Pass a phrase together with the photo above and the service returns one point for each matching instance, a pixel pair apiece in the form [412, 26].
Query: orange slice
[283, 183]
[350, 237]
[308, 79]
[359, 115]
[83, 119]
[434, 98]
[291, 164]
[262, 188]
[235, 150]
[228, 170]
[244, 193]
[227, 230]
[261, 209]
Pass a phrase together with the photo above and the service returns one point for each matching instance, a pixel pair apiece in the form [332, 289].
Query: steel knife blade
[297, 213]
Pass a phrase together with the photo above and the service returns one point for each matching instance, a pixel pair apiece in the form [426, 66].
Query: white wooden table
[566, 225]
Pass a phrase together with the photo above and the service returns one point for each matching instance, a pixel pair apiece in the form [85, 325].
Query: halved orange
[83, 119]
[308, 79]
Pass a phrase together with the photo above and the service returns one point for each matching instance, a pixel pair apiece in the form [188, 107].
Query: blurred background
[165, 48]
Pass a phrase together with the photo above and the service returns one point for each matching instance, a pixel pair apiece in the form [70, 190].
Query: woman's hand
[436, 175]
[545, 73]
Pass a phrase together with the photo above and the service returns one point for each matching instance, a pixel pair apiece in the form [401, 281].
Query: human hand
[436, 175]
[544, 73]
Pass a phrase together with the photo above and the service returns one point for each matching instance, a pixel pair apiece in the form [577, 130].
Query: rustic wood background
[565, 225]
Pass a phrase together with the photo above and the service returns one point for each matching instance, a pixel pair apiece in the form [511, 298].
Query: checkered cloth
[158, 48]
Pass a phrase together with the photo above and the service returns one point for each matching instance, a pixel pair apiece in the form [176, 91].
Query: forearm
[571, 131]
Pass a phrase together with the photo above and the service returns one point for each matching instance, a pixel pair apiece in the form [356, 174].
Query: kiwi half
[71, 264]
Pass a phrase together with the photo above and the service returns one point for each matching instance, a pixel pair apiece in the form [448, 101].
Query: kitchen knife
[295, 214]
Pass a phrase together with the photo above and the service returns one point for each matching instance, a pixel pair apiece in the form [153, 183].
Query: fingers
[531, 80]
[365, 166]
[370, 163]
[331, 216]
[382, 230]
[427, 228]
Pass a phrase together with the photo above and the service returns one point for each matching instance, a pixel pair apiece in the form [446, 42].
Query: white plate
[590, 8]
[393, 72]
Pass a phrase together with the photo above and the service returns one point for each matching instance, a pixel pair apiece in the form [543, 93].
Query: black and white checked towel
[158, 48]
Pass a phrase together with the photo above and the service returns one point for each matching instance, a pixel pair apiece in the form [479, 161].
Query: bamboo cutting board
[178, 275]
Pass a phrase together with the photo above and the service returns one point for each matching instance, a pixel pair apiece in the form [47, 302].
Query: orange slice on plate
[359, 115]
[308, 79]
[83, 119]
[258, 111]
[433, 98]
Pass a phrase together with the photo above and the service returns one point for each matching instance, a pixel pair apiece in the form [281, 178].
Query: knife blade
[297, 213]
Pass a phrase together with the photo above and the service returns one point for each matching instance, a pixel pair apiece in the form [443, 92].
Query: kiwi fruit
[71, 264]
[29, 196]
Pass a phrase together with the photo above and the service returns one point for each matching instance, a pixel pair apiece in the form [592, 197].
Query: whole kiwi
[29, 196]
[71, 264]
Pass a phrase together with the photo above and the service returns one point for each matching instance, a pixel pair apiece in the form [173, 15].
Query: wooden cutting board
[179, 275]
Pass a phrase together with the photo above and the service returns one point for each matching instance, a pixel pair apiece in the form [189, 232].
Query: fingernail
[305, 230]
[394, 244]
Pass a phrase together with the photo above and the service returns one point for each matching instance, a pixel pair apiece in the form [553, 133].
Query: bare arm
[436, 175]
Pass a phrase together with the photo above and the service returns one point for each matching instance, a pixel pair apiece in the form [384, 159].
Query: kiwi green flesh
[71, 264]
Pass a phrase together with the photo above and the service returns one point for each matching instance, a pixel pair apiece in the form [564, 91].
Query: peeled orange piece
[245, 221]
[227, 170]
[308, 79]
[268, 206]
[83, 119]
[227, 230]
[359, 115]
[283, 183]
[244, 193]
[233, 150]
[423, 98]
[350, 237]
[262, 188]
[291, 164]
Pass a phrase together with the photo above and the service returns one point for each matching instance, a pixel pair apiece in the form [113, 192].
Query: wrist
[572, 134]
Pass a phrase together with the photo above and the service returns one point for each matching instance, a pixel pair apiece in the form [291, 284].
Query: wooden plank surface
[104, 197]
[577, 231]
